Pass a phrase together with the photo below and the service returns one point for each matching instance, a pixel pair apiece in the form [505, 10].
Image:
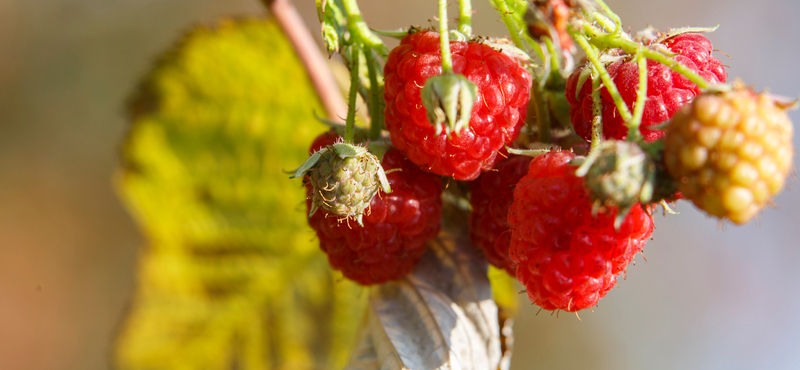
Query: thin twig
[307, 50]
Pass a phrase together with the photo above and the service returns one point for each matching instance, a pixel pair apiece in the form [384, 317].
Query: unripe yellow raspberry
[730, 152]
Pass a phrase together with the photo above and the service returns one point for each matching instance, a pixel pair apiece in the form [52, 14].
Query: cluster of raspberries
[531, 217]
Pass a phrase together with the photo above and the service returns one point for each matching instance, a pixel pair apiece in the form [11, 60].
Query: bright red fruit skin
[567, 258]
[667, 91]
[497, 116]
[491, 197]
[396, 227]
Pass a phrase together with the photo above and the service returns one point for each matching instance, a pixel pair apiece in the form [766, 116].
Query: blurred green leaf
[232, 276]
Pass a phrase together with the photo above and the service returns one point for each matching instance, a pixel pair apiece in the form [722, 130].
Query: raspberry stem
[638, 109]
[603, 21]
[591, 53]
[465, 17]
[376, 103]
[610, 14]
[553, 63]
[444, 38]
[542, 115]
[359, 31]
[605, 40]
[513, 28]
[350, 122]
[597, 111]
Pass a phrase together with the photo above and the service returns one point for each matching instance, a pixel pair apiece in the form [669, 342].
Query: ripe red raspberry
[567, 258]
[492, 194]
[667, 91]
[396, 228]
[497, 116]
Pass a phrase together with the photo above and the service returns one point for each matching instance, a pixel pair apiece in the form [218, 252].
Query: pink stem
[308, 52]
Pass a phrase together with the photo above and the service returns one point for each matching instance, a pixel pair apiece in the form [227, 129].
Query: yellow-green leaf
[232, 276]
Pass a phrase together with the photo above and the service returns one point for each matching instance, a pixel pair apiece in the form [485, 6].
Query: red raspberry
[567, 258]
[497, 116]
[492, 194]
[666, 90]
[396, 228]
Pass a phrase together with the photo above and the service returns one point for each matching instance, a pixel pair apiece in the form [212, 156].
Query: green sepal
[332, 24]
[585, 74]
[396, 34]
[681, 31]
[310, 162]
[346, 150]
[456, 35]
[384, 181]
[448, 100]
[530, 152]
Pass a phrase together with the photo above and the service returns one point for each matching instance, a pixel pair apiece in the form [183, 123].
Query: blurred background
[710, 297]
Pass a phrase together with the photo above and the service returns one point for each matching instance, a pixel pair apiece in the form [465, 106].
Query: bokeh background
[710, 297]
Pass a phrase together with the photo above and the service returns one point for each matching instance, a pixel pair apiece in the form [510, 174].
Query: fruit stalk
[465, 17]
[610, 14]
[591, 53]
[638, 109]
[597, 112]
[609, 41]
[506, 15]
[375, 96]
[444, 39]
[359, 29]
[349, 131]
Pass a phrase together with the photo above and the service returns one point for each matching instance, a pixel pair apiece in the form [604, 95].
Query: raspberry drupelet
[498, 114]
[730, 152]
[667, 91]
[491, 197]
[396, 229]
[566, 257]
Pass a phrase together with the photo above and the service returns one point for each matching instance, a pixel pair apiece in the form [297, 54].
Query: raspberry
[492, 194]
[567, 258]
[667, 91]
[730, 152]
[396, 228]
[344, 186]
[497, 116]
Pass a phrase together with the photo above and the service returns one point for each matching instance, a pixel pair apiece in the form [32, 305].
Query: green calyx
[448, 100]
[618, 174]
[623, 174]
[344, 179]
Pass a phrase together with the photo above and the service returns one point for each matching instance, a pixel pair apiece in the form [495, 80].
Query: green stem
[375, 97]
[609, 13]
[591, 53]
[606, 41]
[465, 17]
[520, 39]
[350, 122]
[346, 59]
[551, 49]
[638, 110]
[604, 21]
[597, 111]
[508, 19]
[360, 32]
[542, 114]
[444, 38]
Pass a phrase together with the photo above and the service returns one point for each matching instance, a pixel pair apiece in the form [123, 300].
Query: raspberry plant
[543, 153]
